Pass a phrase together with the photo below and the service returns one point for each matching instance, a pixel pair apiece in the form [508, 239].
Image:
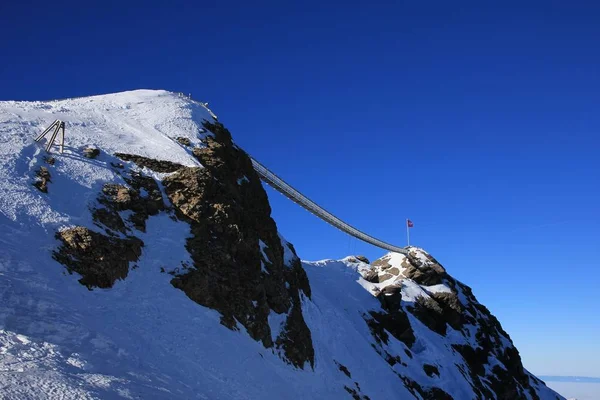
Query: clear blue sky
[480, 122]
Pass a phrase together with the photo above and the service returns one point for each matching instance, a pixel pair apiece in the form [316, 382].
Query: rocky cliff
[239, 265]
[143, 262]
[417, 285]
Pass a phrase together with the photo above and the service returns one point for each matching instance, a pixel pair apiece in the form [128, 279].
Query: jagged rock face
[509, 382]
[239, 265]
[142, 197]
[150, 163]
[418, 285]
[99, 259]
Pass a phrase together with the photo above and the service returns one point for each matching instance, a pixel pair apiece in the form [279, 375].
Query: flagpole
[407, 234]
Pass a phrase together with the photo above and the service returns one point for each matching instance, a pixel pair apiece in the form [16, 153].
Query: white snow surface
[142, 122]
[144, 339]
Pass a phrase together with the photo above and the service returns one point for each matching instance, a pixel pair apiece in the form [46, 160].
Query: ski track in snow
[143, 338]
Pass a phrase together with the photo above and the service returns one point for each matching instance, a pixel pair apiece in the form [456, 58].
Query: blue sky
[478, 121]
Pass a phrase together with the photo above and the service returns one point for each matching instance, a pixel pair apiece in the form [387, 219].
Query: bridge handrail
[288, 191]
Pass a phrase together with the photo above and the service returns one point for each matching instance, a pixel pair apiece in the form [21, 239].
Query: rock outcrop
[42, 179]
[99, 259]
[150, 163]
[418, 285]
[142, 197]
[91, 152]
[241, 267]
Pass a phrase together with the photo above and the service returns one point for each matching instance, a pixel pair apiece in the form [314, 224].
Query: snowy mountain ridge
[154, 270]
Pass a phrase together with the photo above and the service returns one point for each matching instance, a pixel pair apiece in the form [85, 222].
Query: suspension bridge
[294, 195]
[285, 189]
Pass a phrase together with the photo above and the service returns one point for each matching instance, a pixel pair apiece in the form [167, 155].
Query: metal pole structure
[49, 145]
[407, 234]
[48, 129]
[62, 137]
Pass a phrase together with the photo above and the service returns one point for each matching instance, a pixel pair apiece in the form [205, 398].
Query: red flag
[409, 223]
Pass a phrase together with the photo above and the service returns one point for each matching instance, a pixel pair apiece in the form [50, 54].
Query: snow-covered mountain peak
[143, 122]
[143, 263]
[148, 123]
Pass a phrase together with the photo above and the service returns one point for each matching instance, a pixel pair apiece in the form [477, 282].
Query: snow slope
[143, 338]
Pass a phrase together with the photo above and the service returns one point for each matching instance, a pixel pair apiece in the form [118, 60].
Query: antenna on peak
[57, 125]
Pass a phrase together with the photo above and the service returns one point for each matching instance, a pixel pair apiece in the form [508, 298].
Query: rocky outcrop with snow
[419, 297]
[143, 263]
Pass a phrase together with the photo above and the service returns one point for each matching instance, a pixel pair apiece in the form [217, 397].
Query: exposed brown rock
[431, 370]
[441, 309]
[188, 191]
[449, 300]
[150, 163]
[343, 368]
[372, 276]
[424, 274]
[99, 259]
[230, 273]
[91, 152]
[393, 360]
[147, 200]
[143, 197]
[390, 298]
[296, 339]
[411, 385]
[429, 313]
[353, 393]
[356, 393]
[197, 151]
[183, 141]
[109, 218]
[432, 393]
[451, 308]
[395, 323]
[42, 180]
[393, 271]
[381, 263]
[119, 196]
[363, 259]
[504, 385]
[49, 160]
[435, 393]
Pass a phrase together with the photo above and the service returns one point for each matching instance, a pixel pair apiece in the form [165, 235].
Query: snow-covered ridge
[142, 122]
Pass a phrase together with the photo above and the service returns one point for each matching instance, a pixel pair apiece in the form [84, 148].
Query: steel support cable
[288, 191]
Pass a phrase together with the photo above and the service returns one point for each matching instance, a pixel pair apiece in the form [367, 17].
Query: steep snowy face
[143, 263]
[446, 329]
[142, 122]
